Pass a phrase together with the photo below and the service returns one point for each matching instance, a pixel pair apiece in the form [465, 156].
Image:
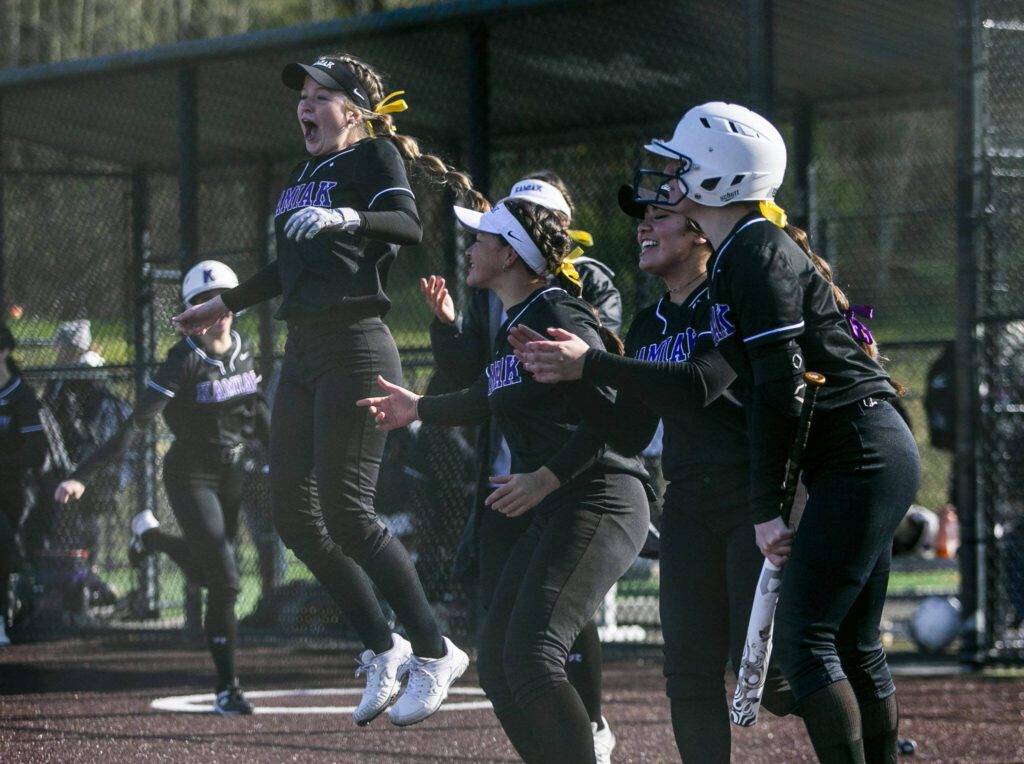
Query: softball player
[588, 504]
[709, 559]
[339, 223]
[22, 447]
[775, 313]
[462, 346]
[208, 393]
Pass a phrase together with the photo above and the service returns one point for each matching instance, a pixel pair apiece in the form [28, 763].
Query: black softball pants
[316, 428]
[709, 565]
[862, 471]
[497, 536]
[205, 492]
[581, 540]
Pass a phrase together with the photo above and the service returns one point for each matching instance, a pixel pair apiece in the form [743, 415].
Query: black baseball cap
[329, 74]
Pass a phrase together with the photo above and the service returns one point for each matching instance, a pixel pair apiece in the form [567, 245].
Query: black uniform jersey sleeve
[395, 219]
[461, 349]
[465, 407]
[32, 446]
[700, 380]
[767, 292]
[264, 285]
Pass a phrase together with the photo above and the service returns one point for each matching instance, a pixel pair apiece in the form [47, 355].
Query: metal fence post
[144, 341]
[188, 168]
[969, 170]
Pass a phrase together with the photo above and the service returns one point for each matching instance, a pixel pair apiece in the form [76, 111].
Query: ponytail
[863, 339]
[381, 122]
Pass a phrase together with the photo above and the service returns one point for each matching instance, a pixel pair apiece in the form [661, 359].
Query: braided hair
[547, 230]
[408, 147]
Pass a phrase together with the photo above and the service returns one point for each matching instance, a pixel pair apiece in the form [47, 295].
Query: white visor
[542, 193]
[503, 223]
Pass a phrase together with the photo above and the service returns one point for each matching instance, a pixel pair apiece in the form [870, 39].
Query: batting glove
[309, 221]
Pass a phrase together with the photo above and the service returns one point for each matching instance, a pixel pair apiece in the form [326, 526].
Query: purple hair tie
[860, 332]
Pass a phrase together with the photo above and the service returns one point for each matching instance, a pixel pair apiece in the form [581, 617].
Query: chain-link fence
[115, 175]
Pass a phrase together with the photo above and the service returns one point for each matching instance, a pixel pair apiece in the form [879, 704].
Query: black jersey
[540, 422]
[209, 402]
[339, 272]
[765, 291]
[673, 334]
[773, 316]
[22, 440]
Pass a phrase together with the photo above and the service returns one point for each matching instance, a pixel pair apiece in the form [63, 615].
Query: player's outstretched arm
[438, 298]
[396, 409]
[199, 318]
[559, 359]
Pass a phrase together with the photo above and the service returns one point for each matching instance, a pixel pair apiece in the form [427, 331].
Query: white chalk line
[203, 704]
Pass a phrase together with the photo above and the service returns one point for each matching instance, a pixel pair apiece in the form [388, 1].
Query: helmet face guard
[656, 187]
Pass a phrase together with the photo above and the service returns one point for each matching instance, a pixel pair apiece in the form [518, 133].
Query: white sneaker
[5, 641]
[142, 522]
[429, 680]
[383, 678]
[604, 742]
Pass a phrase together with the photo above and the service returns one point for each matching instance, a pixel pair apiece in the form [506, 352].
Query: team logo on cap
[325, 63]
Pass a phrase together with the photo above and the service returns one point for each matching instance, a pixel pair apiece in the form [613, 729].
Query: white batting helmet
[727, 152]
[204, 276]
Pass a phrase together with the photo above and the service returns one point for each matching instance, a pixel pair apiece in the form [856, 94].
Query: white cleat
[429, 680]
[604, 742]
[383, 678]
[142, 522]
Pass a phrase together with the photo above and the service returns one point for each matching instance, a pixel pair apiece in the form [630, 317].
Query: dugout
[902, 116]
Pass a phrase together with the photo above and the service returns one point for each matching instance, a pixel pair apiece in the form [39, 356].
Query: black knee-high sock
[701, 729]
[880, 721]
[394, 574]
[560, 727]
[221, 636]
[833, 722]
[584, 670]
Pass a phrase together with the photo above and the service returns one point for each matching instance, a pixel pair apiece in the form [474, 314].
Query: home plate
[203, 704]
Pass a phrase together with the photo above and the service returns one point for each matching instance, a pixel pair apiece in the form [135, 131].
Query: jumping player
[462, 347]
[208, 392]
[22, 447]
[775, 313]
[339, 223]
[709, 559]
[588, 504]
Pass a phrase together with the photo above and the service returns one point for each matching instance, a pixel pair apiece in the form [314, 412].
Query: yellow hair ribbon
[387, 106]
[773, 212]
[572, 256]
[569, 271]
[581, 237]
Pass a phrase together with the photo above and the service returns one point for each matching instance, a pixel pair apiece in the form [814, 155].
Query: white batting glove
[309, 221]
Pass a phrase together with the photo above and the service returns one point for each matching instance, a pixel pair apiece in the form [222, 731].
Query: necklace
[700, 275]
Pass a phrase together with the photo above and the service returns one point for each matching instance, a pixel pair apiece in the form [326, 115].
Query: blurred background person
[22, 447]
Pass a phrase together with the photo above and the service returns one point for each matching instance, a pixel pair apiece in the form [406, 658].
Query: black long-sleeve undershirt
[397, 221]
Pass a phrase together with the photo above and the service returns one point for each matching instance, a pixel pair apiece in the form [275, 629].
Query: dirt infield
[89, 701]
